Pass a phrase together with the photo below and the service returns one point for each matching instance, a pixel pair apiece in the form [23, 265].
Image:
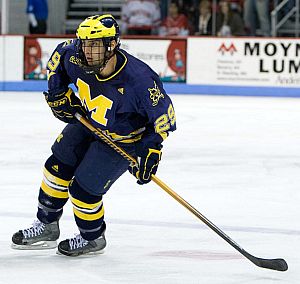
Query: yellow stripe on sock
[55, 179]
[82, 204]
[89, 217]
[52, 192]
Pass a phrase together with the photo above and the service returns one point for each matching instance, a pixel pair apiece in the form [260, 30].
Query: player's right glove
[148, 160]
[64, 105]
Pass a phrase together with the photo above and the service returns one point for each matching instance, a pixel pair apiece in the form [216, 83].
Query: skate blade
[36, 246]
[91, 253]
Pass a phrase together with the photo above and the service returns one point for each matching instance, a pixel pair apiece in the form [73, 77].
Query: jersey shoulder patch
[155, 94]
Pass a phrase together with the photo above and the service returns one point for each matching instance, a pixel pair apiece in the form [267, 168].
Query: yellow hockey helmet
[100, 29]
[93, 27]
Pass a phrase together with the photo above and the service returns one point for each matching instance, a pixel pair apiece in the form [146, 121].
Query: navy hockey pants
[97, 165]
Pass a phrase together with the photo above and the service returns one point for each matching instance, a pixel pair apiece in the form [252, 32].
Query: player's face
[94, 51]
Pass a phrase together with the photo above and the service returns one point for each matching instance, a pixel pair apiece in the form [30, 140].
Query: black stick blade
[278, 264]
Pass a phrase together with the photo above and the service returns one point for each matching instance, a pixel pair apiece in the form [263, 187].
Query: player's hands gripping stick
[148, 160]
[64, 105]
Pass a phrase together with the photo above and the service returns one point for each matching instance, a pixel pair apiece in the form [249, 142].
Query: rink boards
[192, 65]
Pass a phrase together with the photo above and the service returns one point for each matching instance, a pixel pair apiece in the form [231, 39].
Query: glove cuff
[144, 150]
[154, 154]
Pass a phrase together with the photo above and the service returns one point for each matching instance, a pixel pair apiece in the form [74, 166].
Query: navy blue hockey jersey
[129, 105]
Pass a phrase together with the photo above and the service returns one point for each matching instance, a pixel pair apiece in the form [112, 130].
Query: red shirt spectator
[175, 24]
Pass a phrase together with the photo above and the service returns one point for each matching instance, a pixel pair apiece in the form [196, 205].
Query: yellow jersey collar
[117, 71]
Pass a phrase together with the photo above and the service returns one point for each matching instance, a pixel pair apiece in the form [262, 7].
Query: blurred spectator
[37, 11]
[229, 21]
[257, 10]
[204, 21]
[190, 9]
[187, 6]
[140, 17]
[175, 24]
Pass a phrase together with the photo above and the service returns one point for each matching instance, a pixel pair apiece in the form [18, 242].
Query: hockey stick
[275, 264]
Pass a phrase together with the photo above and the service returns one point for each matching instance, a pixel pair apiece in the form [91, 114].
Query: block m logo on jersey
[227, 49]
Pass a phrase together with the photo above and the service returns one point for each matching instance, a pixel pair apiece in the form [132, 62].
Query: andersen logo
[230, 48]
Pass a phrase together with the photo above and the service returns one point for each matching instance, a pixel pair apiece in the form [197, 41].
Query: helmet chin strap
[106, 59]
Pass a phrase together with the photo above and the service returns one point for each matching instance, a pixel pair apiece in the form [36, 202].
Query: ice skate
[39, 236]
[78, 245]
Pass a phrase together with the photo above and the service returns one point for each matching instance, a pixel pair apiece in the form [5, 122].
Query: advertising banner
[166, 57]
[37, 52]
[244, 62]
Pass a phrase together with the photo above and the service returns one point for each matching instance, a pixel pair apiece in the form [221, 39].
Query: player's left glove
[148, 160]
[64, 105]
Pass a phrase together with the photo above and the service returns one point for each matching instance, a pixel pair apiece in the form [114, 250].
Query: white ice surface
[235, 159]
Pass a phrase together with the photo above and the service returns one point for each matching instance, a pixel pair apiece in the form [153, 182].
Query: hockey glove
[65, 105]
[148, 160]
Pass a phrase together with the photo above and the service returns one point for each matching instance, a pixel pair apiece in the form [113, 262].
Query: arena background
[190, 65]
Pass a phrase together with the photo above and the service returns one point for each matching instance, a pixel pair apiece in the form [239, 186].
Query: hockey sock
[53, 193]
[88, 211]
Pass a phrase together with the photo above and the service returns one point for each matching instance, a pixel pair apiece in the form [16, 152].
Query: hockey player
[120, 95]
